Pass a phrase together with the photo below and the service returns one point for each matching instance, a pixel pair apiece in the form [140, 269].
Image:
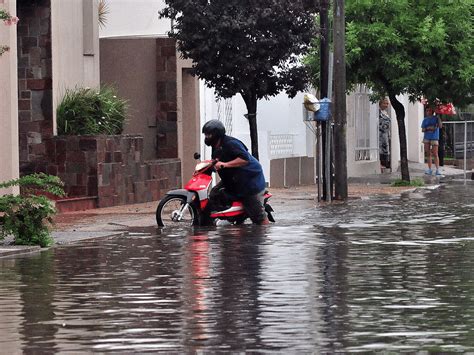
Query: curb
[71, 238]
[390, 178]
[60, 239]
[6, 251]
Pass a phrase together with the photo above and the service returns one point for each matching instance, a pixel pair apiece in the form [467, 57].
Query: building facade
[58, 45]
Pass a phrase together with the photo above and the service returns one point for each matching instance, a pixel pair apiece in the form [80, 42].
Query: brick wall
[35, 101]
[166, 115]
[111, 168]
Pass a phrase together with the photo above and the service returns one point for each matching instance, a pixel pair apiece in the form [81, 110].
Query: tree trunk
[251, 103]
[400, 112]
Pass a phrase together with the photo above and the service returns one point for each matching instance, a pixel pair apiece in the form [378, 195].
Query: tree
[420, 48]
[245, 47]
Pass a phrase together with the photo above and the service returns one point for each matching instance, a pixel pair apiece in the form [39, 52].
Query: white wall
[9, 101]
[413, 119]
[278, 115]
[414, 134]
[135, 18]
[71, 33]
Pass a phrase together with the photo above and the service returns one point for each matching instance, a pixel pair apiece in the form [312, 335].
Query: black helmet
[215, 129]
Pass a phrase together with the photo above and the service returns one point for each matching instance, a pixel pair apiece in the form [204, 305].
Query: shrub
[9, 21]
[414, 182]
[28, 216]
[86, 111]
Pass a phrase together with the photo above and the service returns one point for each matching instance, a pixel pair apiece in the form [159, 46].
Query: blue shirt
[433, 122]
[242, 181]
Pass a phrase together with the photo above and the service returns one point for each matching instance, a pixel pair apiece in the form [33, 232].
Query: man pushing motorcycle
[241, 174]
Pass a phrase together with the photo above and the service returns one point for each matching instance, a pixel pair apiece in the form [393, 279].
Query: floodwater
[390, 273]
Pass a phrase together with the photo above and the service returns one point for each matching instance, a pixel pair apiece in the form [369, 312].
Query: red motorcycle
[185, 206]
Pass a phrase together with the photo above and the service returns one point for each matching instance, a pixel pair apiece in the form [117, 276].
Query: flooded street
[391, 273]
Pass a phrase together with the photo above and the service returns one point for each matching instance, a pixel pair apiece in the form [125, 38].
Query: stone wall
[34, 80]
[110, 168]
[166, 115]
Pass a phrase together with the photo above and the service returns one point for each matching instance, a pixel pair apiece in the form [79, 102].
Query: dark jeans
[219, 199]
[385, 160]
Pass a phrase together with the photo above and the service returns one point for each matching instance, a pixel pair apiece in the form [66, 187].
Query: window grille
[224, 114]
[282, 145]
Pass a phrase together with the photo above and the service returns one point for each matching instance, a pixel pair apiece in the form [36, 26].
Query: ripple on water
[385, 274]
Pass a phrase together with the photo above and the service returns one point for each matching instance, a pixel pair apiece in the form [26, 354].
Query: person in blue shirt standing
[430, 127]
[241, 174]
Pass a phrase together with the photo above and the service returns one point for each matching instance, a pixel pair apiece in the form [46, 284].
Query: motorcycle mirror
[197, 156]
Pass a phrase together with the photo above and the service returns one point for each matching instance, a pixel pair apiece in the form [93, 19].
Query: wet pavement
[389, 273]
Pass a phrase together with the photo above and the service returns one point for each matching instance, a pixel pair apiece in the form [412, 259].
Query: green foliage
[244, 46]
[4, 15]
[8, 20]
[28, 216]
[422, 48]
[34, 182]
[3, 49]
[419, 48]
[86, 111]
[414, 182]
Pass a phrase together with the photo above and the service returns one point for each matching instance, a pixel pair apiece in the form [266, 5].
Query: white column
[9, 153]
[414, 135]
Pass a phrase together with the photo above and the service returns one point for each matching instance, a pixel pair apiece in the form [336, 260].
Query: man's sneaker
[438, 173]
[222, 222]
[428, 172]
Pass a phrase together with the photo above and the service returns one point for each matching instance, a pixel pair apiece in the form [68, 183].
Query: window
[366, 126]
[224, 114]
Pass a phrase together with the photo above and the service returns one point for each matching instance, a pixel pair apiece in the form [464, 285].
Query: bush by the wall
[86, 111]
[414, 183]
[28, 216]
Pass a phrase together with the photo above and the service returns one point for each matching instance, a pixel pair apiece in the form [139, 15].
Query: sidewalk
[77, 227]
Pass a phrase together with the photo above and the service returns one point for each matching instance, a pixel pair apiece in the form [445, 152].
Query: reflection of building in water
[238, 309]
[221, 291]
[290, 307]
[196, 289]
[11, 308]
[26, 304]
[332, 256]
[37, 293]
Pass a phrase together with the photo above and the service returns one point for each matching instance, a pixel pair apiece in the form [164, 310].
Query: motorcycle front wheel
[172, 211]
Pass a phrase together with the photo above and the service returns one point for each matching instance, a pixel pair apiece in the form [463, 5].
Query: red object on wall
[447, 109]
[442, 109]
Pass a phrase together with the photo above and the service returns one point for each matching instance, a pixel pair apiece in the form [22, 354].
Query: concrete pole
[324, 83]
[340, 119]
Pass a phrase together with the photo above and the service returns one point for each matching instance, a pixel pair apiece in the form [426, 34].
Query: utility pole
[340, 118]
[324, 83]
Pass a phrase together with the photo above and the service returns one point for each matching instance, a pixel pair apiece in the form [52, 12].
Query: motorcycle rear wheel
[170, 206]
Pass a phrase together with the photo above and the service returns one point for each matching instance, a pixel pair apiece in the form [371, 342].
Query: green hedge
[86, 111]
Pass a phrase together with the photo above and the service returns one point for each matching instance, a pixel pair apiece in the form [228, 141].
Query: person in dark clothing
[241, 174]
[384, 134]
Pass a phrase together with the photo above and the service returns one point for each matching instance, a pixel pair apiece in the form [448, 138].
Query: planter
[110, 169]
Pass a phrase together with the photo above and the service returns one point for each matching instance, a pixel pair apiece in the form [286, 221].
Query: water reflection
[389, 274]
